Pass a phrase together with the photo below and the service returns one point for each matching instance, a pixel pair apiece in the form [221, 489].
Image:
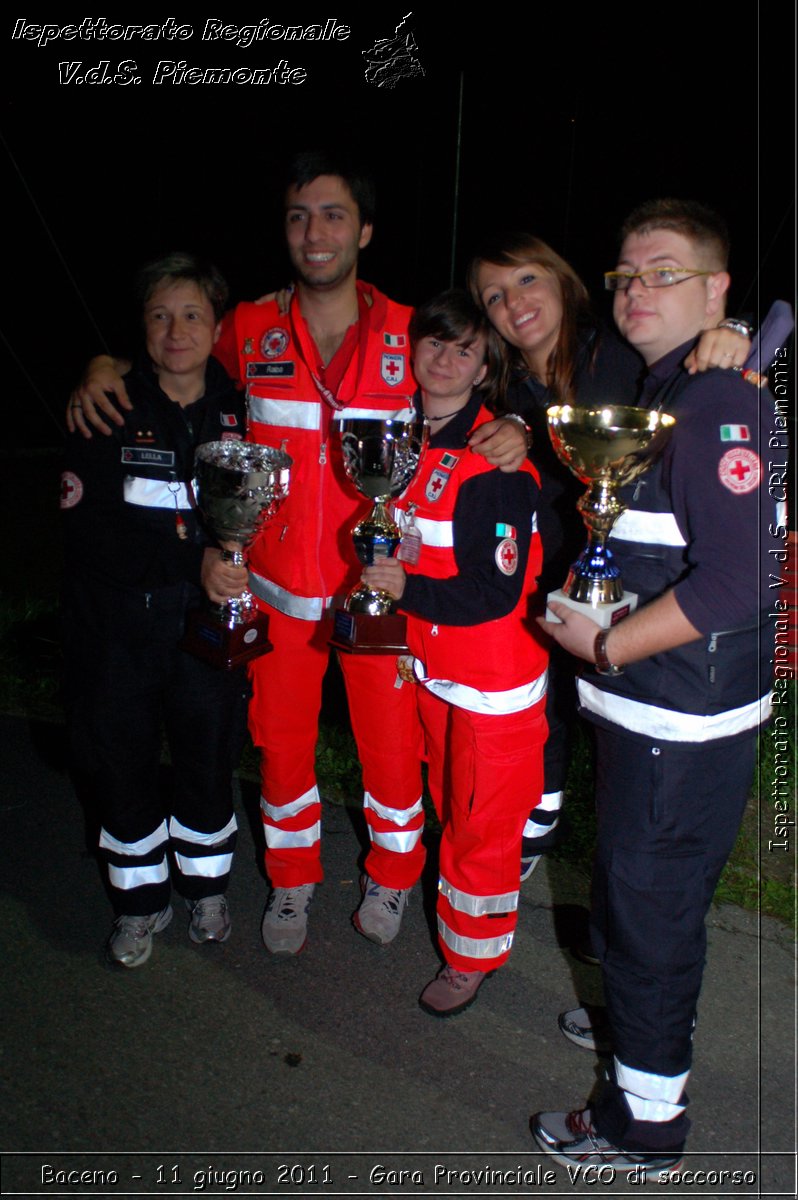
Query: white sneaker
[285, 922]
[380, 913]
[130, 943]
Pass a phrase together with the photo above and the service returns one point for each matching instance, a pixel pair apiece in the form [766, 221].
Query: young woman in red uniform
[470, 556]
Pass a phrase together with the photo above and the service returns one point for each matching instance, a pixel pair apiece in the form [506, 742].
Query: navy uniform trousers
[668, 815]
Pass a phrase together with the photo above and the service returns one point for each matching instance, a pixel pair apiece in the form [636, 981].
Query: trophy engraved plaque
[605, 448]
[380, 457]
[239, 488]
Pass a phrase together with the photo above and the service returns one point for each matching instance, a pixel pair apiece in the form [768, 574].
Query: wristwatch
[603, 664]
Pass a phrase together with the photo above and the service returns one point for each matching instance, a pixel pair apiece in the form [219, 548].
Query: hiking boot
[285, 922]
[380, 913]
[451, 991]
[130, 943]
[587, 1027]
[210, 919]
[571, 1140]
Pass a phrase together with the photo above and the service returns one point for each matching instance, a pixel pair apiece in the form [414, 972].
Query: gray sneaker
[380, 913]
[587, 1027]
[210, 919]
[571, 1139]
[285, 922]
[130, 943]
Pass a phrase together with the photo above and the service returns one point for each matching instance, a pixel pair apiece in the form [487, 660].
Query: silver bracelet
[737, 325]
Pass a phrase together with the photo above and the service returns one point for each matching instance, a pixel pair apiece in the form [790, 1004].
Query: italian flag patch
[734, 433]
[506, 531]
[395, 340]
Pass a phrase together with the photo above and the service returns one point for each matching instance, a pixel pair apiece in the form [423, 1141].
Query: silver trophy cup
[380, 458]
[239, 488]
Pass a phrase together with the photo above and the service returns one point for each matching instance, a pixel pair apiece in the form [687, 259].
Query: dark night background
[570, 116]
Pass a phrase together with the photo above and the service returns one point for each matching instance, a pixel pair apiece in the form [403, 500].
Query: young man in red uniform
[341, 346]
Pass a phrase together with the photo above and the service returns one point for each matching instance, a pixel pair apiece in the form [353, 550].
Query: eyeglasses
[657, 277]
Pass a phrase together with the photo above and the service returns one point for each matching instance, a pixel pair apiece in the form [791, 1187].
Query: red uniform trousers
[283, 721]
[482, 770]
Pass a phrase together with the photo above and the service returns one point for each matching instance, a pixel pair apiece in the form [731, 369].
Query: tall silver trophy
[239, 488]
[380, 457]
[605, 448]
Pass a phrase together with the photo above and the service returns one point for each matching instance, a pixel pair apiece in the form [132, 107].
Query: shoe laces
[132, 926]
[292, 904]
[455, 978]
[390, 898]
[209, 907]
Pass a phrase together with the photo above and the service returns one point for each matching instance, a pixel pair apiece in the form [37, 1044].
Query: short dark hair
[309, 164]
[179, 267]
[452, 316]
[692, 220]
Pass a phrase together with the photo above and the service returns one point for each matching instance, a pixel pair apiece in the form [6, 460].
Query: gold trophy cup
[605, 448]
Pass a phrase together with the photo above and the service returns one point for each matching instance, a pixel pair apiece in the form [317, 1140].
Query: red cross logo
[71, 489]
[507, 556]
[740, 471]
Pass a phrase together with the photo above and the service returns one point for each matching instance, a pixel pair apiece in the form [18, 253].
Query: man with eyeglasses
[676, 691]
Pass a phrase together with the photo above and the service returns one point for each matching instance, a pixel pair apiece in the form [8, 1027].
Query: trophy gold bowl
[606, 448]
[239, 488]
[380, 458]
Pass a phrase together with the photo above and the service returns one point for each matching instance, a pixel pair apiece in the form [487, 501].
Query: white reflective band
[176, 830]
[213, 866]
[534, 522]
[291, 414]
[399, 843]
[135, 849]
[127, 878]
[397, 816]
[304, 608]
[781, 513]
[657, 529]
[435, 533]
[550, 802]
[350, 413]
[646, 1087]
[667, 724]
[477, 906]
[533, 829]
[292, 839]
[474, 947]
[155, 493]
[497, 703]
[281, 812]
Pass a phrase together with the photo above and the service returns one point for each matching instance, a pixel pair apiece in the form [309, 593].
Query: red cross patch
[436, 483]
[393, 369]
[71, 489]
[507, 556]
[274, 342]
[740, 470]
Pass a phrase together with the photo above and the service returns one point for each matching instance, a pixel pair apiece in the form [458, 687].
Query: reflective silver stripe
[350, 413]
[292, 839]
[435, 533]
[305, 608]
[781, 513]
[497, 703]
[176, 830]
[291, 414]
[477, 906]
[155, 493]
[474, 947]
[135, 849]
[550, 802]
[397, 816]
[399, 843]
[212, 866]
[534, 829]
[651, 1097]
[672, 726]
[281, 812]
[657, 529]
[127, 878]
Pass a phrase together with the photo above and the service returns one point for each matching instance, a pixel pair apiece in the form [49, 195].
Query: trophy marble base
[364, 633]
[604, 615]
[226, 646]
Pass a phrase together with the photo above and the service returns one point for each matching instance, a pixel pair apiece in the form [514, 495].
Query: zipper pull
[323, 454]
[434, 631]
[713, 643]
